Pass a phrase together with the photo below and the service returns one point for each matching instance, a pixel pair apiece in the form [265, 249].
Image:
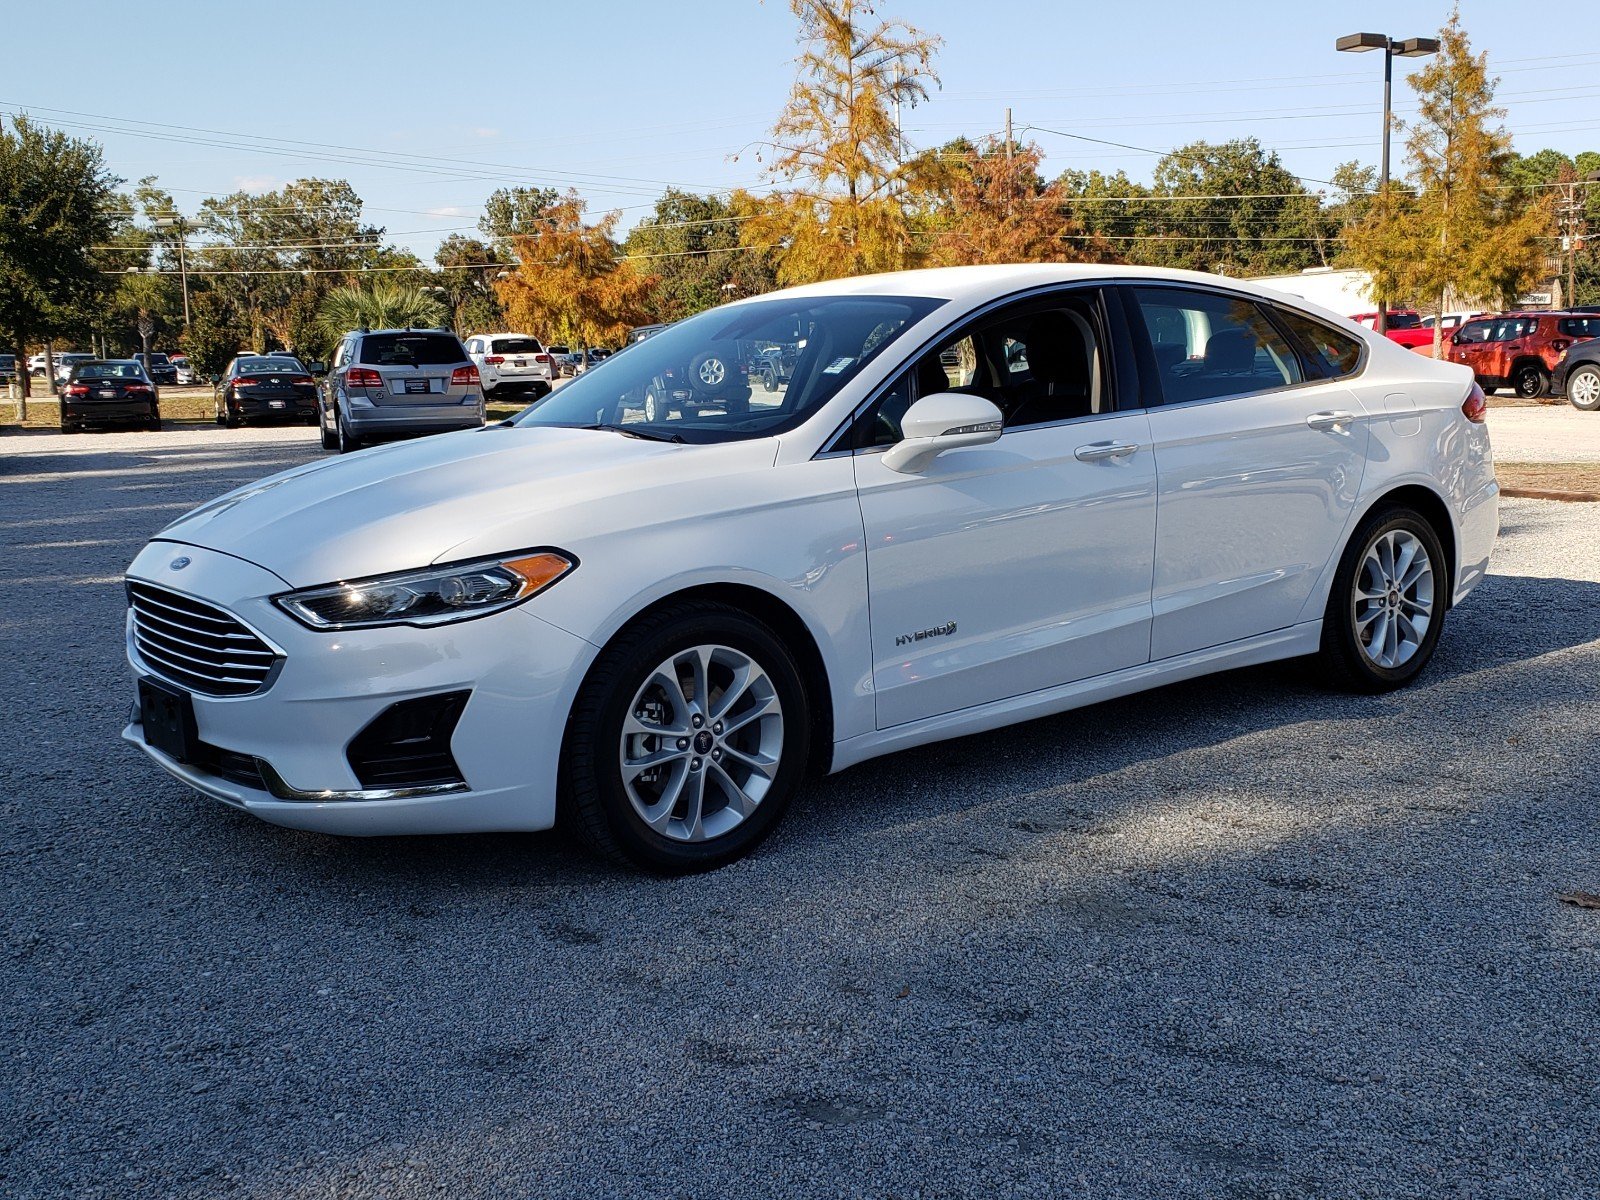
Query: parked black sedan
[159, 367]
[265, 387]
[109, 392]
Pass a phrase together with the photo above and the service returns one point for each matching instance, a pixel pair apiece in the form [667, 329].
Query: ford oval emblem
[179, 563]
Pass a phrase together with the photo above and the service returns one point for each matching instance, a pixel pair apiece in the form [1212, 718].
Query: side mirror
[940, 422]
[317, 368]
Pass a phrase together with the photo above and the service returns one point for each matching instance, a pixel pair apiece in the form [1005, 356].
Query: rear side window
[1209, 346]
[516, 346]
[1580, 327]
[1338, 353]
[411, 349]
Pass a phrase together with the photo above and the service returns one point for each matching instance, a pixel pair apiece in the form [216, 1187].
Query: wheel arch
[1433, 507]
[790, 626]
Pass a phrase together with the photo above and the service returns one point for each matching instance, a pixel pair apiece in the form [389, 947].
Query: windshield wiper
[633, 432]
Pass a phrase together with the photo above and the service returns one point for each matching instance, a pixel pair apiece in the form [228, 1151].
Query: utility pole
[1008, 162]
[182, 227]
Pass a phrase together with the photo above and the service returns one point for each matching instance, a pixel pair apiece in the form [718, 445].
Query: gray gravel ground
[1238, 937]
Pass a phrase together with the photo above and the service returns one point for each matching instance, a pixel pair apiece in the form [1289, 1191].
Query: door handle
[1099, 451]
[1330, 420]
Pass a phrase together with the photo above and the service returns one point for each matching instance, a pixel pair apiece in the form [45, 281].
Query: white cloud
[483, 131]
[256, 184]
[449, 210]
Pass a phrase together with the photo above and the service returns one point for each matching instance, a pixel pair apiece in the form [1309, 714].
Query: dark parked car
[774, 365]
[267, 387]
[158, 367]
[1577, 374]
[713, 378]
[107, 392]
[8, 367]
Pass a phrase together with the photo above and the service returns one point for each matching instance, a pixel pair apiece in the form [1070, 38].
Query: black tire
[216, 412]
[1589, 386]
[345, 441]
[711, 371]
[153, 424]
[655, 409]
[330, 437]
[1346, 665]
[71, 426]
[1531, 382]
[594, 800]
[230, 418]
[769, 381]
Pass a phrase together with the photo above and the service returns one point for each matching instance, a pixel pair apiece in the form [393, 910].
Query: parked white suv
[511, 362]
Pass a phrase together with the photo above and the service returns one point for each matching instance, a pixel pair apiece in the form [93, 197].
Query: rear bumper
[109, 411]
[375, 420]
[288, 407]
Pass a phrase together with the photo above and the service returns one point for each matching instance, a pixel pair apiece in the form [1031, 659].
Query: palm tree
[378, 305]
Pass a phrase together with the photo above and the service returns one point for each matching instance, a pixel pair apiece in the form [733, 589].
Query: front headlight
[434, 596]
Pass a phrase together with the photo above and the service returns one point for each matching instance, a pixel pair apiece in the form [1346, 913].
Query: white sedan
[985, 494]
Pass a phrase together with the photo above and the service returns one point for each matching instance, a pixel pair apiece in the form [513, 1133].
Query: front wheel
[1531, 383]
[1388, 603]
[687, 741]
[1583, 388]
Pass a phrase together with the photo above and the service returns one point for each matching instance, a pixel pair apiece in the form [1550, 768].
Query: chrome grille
[197, 646]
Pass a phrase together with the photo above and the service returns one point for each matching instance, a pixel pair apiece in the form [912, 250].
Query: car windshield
[411, 349]
[250, 366]
[693, 380]
[109, 370]
[1400, 320]
[515, 345]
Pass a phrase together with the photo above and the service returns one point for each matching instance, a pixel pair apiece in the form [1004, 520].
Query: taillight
[300, 379]
[1475, 408]
[464, 377]
[244, 381]
[542, 358]
[494, 360]
[77, 389]
[362, 377]
[138, 389]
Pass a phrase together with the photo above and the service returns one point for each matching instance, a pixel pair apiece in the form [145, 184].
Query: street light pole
[1417, 47]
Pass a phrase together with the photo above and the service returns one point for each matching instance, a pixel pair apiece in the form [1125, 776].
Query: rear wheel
[1531, 382]
[330, 437]
[346, 442]
[655, 409]
[1387, 605]
[1583, 388]
[687, 741]
[230, 415]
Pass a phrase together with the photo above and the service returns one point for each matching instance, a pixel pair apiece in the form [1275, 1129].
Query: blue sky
[427, 107]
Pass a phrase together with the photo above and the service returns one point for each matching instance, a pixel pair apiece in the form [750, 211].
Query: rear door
[1259, 454]
[1004, 569]
[416, 367]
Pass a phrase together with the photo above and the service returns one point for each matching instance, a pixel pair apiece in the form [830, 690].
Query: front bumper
[522, 672]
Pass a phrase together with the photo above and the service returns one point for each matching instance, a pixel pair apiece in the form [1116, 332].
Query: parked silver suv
[395, 382]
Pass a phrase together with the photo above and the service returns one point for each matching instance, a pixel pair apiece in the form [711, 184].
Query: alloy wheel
[1583, 389]
[1393, 600]
[701, 743]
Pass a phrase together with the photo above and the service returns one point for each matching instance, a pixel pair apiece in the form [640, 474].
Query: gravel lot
[1544, 433]
[1236, 937]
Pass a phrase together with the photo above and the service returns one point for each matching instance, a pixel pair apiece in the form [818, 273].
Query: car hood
[401, 506]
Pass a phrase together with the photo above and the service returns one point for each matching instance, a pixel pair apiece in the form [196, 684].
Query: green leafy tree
[381, 304]
[466, 272]
[55, 204]
[691, 244]
[516, 212]
[1459, 232]
[214, 335]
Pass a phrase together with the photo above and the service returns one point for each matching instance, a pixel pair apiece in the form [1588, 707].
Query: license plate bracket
[168, 718]
[416, 387]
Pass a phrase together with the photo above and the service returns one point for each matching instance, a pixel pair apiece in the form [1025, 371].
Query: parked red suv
[1405, 327]
[1519, 350]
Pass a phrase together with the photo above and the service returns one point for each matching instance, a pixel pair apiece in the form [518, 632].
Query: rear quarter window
[1338, 353]
[411, 349]
[1581, 327]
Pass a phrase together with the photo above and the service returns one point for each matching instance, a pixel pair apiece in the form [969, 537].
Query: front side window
[1475, 331]
[1209, 346]
[692, 381]
[1339, 354]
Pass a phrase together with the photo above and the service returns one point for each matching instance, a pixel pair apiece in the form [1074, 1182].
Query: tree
[991, 206]
[569, 285]
[141, 257]
[466, 274]
[1459, 233]
[213, 336]
[55, 204]
[691, 244]
[837, 145]
[382, 304]
[511, 213]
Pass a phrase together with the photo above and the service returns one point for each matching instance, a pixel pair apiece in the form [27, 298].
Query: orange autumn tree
[570, 284]
[985, 206]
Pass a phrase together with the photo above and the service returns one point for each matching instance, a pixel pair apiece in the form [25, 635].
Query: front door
[999, 570]
[1259, 455]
